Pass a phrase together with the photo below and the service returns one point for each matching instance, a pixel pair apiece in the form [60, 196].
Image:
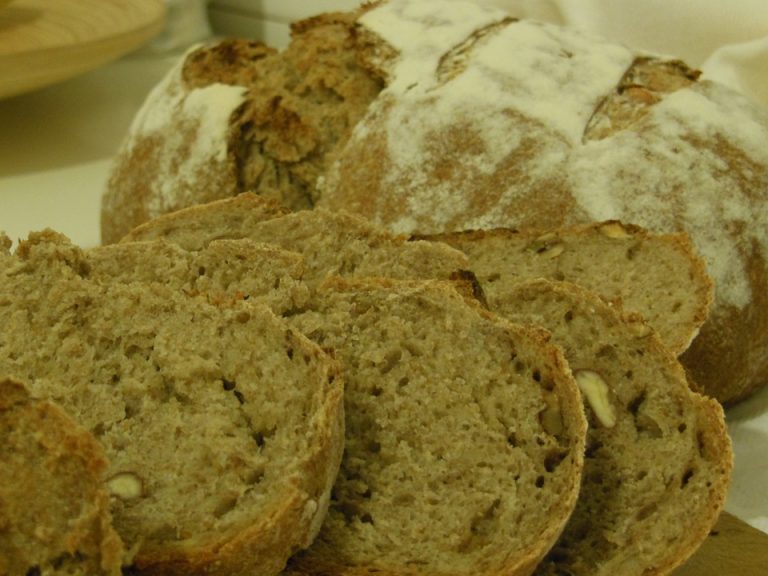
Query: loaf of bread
[415, 115]
[332, 243]
[223, 427]
[54, 505]
[656, 451]
[464, 435]
[659, 276]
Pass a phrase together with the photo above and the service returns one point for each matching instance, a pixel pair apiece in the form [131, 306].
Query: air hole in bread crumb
[201, 271]
[225, 506]
[701, 445]
[568, 316]
[536, 375]
[289, 352]
[374, 447]
[403, 382]
[34, 571]
[634, 406]
[676, 306]
[539, 482]
[493, 277]
[607, 351]
[512, 439]
[682, 427]
[228, 385]
[239, 396]
[366, 518]
[553, 460]
[519, 367]
[592, 448]
[686, 478]
[254, 477]
[646, 511]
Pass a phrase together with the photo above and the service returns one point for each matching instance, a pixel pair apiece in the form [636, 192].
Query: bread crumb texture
[221, 425]
[54, 509]
[656, 451]
[464, 435]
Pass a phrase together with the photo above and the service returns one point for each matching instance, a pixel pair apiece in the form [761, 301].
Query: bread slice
[220, 270]
[464, 435]
[658, 457]
[223, 426]
[657, 275]
[54, 506]
[331, 243]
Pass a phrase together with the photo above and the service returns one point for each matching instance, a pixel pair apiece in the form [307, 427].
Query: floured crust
[659, 276]
[386, 439]
[54, 506]
[236, 115]
[656, 451]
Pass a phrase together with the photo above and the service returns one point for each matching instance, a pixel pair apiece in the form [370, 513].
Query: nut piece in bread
[656, 450]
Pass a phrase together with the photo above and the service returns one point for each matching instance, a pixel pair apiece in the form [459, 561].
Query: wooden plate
[46, 41]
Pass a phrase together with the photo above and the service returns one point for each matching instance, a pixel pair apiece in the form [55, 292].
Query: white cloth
[728, 41]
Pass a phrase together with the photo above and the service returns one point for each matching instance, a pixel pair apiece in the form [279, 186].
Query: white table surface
[56, 146]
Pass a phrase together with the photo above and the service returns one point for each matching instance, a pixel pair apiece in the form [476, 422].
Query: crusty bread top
[659, 276]
[236, 115]
[464, 435]
[54, 506]
[656, 451]
[332, 243]
[223, 426]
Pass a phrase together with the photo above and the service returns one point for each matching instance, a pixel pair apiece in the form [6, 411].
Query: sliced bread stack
[464, 434]
[54, 505]
[222, 426]
[656, 450]
[331, 243]
[659, 276]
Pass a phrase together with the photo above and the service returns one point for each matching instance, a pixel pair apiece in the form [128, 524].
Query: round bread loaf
[54, 505]
[438, 115]
[223, 426]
